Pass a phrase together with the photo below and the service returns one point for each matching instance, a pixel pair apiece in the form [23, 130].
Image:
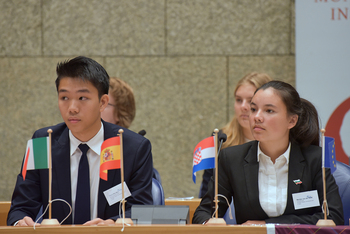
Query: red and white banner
[323, 65]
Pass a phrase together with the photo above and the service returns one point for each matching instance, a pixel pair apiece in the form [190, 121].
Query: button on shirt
[273, 182]
[93, 156]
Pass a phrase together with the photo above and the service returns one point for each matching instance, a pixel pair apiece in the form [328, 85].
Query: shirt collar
[94, 143]
[286, 154]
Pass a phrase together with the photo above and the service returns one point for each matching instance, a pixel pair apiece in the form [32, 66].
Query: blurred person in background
[121, 108]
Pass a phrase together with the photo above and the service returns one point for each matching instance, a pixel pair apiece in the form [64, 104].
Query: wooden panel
[193, 204]
[4, 209]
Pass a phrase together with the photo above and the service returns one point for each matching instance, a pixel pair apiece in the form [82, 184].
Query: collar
[94, 143]
[286, 154]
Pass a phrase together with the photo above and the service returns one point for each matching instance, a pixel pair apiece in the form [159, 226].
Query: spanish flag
[110, 156]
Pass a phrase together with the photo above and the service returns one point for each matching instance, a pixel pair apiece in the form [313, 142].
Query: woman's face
[269, 120]
[243, 97]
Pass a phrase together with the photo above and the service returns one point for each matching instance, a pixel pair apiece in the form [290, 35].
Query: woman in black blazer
[265, 176]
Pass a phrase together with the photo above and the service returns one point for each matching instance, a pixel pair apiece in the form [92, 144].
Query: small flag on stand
[203, 156]
[110, 156]
[329, 154]
[328, 160]
[123, 220]
[37, 155]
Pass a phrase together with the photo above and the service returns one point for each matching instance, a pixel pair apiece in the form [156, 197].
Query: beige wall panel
[179, 102]
[103, 27]
[277, 67]
[292, 31]
[228, 27]
[28, 101]
[20, 27]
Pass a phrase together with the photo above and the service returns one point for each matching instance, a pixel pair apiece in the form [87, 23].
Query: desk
[144, 229]
[4, 209]
[193, 204]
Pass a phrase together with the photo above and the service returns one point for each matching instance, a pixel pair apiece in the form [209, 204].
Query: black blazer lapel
[61, 186]
[295, 172]
[251, 172]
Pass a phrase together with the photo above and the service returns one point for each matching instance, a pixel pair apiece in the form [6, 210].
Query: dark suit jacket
[207, 174]
[238, 177]
[31, 194]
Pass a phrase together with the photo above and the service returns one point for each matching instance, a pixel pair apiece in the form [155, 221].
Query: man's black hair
[86, 69]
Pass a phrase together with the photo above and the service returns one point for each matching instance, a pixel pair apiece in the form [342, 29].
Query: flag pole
[216, 220]
[50, 221]
[50, 173]
[324, 222]
[122, 220]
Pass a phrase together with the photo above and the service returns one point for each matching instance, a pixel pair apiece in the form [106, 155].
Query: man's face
[80, 107]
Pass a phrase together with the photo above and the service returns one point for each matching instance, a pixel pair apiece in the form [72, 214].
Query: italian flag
[110, 156]
[37, 155]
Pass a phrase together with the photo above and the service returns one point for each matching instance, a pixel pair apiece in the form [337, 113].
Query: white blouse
[273, 182]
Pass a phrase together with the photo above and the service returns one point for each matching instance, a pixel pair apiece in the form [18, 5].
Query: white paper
[305, 199]
[270, 228]
[114, 194]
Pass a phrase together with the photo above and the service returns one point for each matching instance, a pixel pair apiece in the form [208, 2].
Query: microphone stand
[216, 220]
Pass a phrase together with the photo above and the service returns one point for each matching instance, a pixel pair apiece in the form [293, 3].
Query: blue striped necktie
[82, 197]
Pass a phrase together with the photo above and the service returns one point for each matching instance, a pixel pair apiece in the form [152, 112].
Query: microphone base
[216, 221]
[126, 221]
[50, 222]
[325, 223]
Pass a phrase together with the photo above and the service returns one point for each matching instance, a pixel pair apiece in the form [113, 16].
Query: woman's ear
[293, 121]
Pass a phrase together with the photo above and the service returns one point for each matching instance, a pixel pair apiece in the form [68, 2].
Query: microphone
[143, 132]
[222, 138]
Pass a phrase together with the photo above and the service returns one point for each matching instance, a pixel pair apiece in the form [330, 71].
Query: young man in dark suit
[82, 85]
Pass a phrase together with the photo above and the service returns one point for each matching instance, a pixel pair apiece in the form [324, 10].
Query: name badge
[305, 199]
[114, 194]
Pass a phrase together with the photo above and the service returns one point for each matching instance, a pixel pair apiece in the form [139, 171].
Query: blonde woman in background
[238, 130]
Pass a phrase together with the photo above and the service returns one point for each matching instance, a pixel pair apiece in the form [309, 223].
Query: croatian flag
[203, 156]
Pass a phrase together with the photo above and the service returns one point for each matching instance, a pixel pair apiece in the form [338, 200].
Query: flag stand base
[126, 221]
[216, 221]
[325, 223]
[50, 222]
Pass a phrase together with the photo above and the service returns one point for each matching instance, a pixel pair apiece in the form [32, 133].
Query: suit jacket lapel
[251, 172]
[113, 176]
[61, 187]
[295, 172]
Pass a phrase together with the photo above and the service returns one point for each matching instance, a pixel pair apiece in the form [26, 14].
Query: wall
[182, 58]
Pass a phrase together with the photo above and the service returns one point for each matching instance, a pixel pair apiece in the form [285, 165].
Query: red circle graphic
[333, 130]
